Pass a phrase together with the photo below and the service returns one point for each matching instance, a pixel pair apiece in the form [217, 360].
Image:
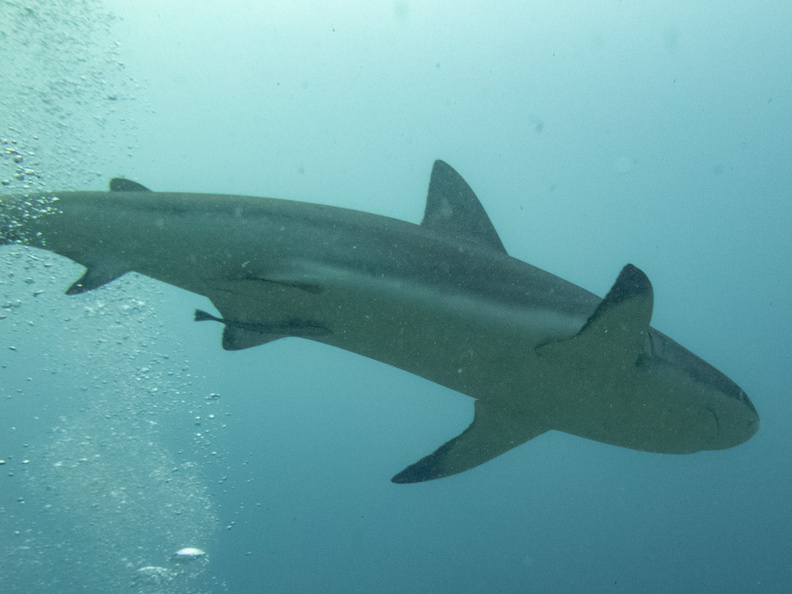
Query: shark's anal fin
[240, 335]
[453, 208]
[494, 430]
[119, 184]
[95, 276]
[614, 334]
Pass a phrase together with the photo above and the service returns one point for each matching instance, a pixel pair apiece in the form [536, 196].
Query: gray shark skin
[442, 300]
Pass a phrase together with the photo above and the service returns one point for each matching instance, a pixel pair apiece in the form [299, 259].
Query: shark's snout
[737, 420]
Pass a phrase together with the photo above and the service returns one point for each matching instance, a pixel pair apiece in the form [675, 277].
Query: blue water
[656, 133]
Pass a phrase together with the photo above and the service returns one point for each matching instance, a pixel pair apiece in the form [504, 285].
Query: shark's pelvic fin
[453, 208]
[237, 339]
[243, 333]
[235, 335]
[614, 334]
[494, 431]
[95, 276]
[119, 184]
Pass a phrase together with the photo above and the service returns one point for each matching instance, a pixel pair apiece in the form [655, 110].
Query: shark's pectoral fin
[494, 430]
[614, 334]
[95, 276]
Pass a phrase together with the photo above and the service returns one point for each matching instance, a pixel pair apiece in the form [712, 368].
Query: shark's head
[734, 418]
[734, 413]
[737, 418]
[649, 393]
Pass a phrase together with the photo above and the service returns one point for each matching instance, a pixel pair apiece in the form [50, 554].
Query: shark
[441, 299]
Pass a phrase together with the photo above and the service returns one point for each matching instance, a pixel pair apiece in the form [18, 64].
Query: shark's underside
[442, 300]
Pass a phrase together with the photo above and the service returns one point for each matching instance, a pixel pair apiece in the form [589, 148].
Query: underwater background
[594, 134]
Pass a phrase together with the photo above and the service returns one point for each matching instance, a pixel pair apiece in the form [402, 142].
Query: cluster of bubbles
[156, 578]
[64, 86]
[95, 501]
[103, 501]
[18, 210]
[18, 162]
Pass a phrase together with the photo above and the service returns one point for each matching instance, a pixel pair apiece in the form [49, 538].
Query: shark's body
[441, 300]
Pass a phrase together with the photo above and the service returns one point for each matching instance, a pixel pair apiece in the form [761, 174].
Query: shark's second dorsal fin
[119, 184]
[453, 208]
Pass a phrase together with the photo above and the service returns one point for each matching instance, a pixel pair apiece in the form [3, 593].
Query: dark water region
[653, 133]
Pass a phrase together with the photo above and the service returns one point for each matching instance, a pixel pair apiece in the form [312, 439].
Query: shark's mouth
[717, 421]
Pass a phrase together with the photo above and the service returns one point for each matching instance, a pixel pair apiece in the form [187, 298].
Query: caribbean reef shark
[442, 300]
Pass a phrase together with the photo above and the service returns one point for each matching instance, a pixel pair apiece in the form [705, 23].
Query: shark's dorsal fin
[614, 334]
[119, 184]
[453, 208]
[493, 431]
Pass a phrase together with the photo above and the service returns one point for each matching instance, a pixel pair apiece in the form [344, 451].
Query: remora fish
[442, 300]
